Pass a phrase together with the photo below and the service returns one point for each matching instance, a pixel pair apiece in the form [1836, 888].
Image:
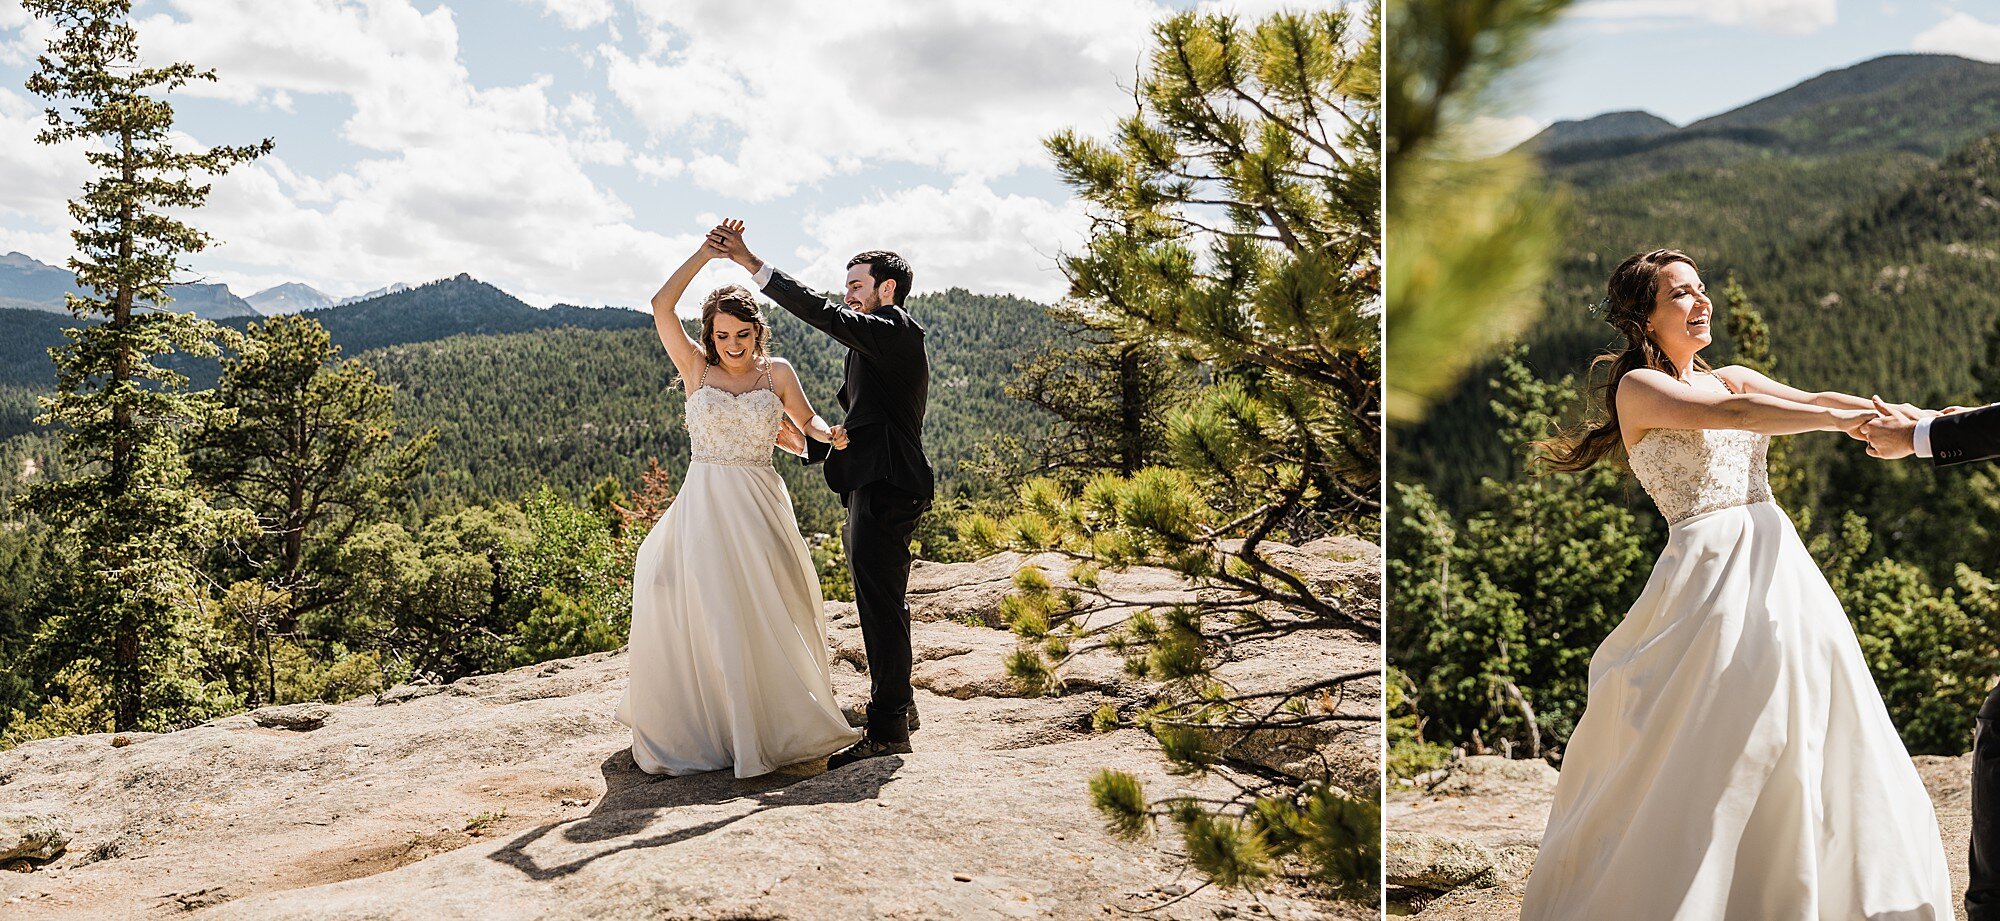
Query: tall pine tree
[308, 442]
[1237, 222]
[126, 513]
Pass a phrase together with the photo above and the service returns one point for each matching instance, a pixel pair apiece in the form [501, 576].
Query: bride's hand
[1852, 420]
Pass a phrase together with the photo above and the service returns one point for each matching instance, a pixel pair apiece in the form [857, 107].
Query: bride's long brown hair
[1629, 300]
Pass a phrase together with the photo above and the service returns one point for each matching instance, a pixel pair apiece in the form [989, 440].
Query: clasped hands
[1891, 434]
[792, 439]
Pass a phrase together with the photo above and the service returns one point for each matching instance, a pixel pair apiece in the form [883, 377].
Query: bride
[728, 647]
[1734, 760]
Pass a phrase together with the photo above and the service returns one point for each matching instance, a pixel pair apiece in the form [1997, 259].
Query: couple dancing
[728, 646]
[1735, 760]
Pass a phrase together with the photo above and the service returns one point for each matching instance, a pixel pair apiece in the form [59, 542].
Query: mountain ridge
[1927, 104]
[27, 283]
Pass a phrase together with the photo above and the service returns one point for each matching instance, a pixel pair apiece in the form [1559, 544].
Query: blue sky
[1687, 59]
[574, 151]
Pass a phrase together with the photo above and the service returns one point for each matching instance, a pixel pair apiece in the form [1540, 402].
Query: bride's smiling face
[1682, 312]
[735, 342]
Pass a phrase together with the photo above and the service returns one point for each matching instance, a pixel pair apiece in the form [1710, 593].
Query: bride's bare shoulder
[1644, 381]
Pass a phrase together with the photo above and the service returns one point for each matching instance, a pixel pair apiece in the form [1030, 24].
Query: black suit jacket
[1972, 435]
[884, 395]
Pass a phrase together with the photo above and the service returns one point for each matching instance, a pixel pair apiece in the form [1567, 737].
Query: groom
[883, 477]
[1957, 437]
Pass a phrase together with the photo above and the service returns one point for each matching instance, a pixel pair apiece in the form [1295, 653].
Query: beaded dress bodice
[1691, 471]
[737, 429]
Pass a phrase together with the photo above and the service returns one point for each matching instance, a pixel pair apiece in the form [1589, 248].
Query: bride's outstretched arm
[1649, 399]
[681, 347]
[1752, 381]
[799, 409]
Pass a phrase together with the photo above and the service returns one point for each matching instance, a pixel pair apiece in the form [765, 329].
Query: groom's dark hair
[886, 266]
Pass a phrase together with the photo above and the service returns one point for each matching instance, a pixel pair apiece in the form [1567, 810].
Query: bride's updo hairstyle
[736, 301]
[1629, 300]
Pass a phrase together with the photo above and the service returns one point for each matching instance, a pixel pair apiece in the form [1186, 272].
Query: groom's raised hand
[728, 237]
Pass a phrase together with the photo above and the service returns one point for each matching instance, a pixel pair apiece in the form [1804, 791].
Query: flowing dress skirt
[1735, 761]
[728, 650]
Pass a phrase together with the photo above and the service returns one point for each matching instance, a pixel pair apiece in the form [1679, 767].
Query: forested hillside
[567, 407]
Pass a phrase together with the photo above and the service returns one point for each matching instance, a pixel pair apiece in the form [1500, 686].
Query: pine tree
[309, 444]
[1254, 147]
[1237, 223]
[126, 512]
[1112, 397]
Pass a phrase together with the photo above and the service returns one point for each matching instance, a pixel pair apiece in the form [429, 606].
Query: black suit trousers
[1982, 893]
[880, 522]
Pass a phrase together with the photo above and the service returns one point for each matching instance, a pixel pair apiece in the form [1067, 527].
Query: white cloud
[579, 14]
[489, 181]
[38, 174]
[965, 235]
[398, 66]
[1961, 34]
[927, 104]
[29, 36]
[761, 105]
[1787, 16]
[40, 180]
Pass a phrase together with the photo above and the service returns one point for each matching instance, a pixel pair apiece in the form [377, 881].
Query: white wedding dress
[728, 649]
[1734, 761]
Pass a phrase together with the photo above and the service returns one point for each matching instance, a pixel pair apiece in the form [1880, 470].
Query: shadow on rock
[633, 799]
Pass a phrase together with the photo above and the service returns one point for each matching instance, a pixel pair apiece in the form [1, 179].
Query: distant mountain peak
[1629, 124]
[290, 297]
[396, 288]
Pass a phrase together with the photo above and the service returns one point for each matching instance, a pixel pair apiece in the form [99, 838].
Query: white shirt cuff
[1921, 438]
[762, 276]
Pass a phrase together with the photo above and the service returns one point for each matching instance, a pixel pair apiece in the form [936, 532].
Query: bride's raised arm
[681, 347]
[785, 379]
[1650, 399]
